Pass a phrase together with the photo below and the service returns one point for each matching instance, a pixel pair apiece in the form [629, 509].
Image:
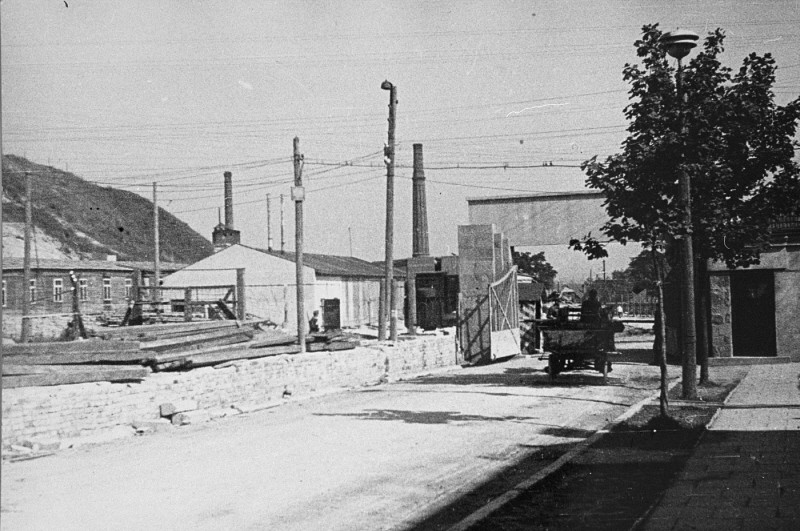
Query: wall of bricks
[81, 410]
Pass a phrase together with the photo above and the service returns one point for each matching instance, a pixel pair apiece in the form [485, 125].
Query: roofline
[578, 194]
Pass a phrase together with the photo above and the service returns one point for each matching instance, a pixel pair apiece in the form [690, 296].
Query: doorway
[753, 309]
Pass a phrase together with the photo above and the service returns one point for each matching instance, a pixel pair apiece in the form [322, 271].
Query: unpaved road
[379, 458]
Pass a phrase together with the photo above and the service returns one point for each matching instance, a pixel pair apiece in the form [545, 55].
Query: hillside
[82, 220]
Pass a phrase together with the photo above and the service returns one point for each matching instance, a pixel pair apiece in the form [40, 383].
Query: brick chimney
[420, 210]
[224, 235]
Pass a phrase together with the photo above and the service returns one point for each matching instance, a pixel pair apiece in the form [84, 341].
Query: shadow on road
[423, 417]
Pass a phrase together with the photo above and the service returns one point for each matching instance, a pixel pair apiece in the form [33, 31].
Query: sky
[130, 93]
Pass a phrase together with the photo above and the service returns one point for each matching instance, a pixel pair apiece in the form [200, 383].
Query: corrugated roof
[10, 264]
[338, 266]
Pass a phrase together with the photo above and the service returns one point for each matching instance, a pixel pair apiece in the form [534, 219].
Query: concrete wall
[81, 410]
[785, 262]
[787, 313]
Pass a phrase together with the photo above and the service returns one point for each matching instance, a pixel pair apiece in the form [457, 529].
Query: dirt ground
[386, 457]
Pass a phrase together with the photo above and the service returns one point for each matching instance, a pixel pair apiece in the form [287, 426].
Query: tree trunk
[660, 333]
[701, 316]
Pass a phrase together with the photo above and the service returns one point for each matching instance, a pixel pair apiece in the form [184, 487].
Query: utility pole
[269, 227]
[298, 195]
[283, 228]
[25, 333]
[157, 254]
[389, 291]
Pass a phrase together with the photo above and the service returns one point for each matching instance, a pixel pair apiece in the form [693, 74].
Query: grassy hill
[91, 221]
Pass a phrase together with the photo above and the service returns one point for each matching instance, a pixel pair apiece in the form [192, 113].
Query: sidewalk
[745, 472]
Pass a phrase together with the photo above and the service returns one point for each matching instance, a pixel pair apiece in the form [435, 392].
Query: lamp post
[388, 292]
[679, 43]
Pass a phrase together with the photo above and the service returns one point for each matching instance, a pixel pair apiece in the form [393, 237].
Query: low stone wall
[86, 410]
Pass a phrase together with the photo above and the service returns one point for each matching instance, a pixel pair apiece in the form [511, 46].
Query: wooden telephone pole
[25, 333]
[388, 297]
[298, 195]
[156, 255]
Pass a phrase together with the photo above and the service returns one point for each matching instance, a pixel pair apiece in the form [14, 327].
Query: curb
[578, 449]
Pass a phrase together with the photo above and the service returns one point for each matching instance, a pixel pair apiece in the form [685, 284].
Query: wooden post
[241, 307]
[25, 333]
[298, 195]
[269, 225]
[411, 296]
[187, 304]
[136, 309]
[382, 310]
[156, 256]
[389, 303]
[78, 330]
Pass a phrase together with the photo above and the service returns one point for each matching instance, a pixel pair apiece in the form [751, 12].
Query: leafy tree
[731, 138]
[535, 265]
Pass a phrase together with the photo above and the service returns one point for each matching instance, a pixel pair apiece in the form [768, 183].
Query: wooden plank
[10, 369]
[55, 347]
[273, 341]
[213, 358]
[187, 341]
[110, 356]
[157, 331]
[332, 346]
[183, 350]
[36, 380]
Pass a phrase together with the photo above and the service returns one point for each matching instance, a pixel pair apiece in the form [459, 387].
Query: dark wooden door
[753, 309]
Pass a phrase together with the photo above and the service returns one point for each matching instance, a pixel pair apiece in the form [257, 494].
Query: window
[4, 293]
[128, 288]
[58, 290]
[106, 289]
[83, 289]
[32, 291]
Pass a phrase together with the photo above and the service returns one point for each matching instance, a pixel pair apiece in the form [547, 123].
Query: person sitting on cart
[552, 312]
[590, 309]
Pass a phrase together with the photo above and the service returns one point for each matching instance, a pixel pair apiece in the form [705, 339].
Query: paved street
[379, 458]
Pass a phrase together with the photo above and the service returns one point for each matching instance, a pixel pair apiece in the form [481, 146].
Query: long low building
[103, 288]
[342, 285]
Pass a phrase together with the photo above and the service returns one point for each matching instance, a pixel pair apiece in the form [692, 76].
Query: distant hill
[79, 219]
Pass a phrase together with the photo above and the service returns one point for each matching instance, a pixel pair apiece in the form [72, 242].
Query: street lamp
[388, 297]
[679, 43]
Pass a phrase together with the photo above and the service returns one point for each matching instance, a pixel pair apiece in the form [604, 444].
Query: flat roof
[552, 196]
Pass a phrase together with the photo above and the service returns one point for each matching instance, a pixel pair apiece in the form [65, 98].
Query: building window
[128, 288]
[58, 290]
[4, 293]
[32, 291]
[106, 289]
[83, 289]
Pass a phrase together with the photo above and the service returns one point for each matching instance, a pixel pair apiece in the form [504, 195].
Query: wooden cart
[571, 345]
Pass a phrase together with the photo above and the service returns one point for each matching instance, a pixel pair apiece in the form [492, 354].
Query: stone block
[169, 409]
[197, 416]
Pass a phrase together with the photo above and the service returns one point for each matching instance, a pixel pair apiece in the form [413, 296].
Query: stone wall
[85, 410]
[721, 332]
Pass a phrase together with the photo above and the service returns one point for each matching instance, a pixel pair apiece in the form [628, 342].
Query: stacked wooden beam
[38, 364]
[131, 353]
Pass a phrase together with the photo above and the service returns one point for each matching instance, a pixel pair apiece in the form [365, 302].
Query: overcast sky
[127, 93]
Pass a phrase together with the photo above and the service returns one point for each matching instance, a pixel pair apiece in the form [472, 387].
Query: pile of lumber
[267, 343]
[37, 364]
[131, 353]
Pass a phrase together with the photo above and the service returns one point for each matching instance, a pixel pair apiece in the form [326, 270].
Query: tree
[731, 138]
[535, 265]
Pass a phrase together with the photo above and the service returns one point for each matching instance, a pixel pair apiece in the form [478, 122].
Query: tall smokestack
[228, 201]
[420, 210]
